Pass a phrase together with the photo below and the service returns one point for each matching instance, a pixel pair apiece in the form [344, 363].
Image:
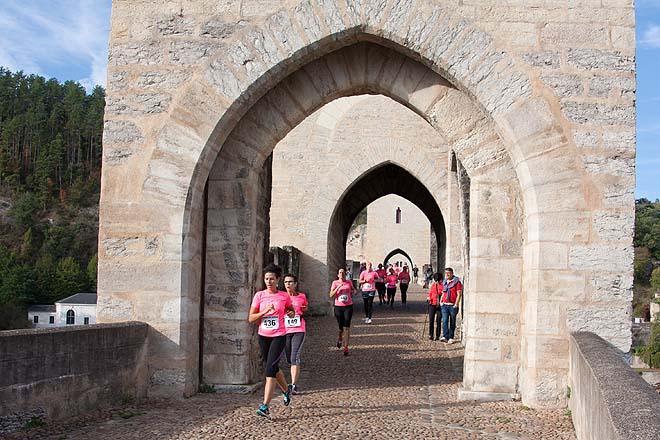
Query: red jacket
[452, 288]
[434, 293]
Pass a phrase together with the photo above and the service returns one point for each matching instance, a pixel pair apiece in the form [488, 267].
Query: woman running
[368, 287]
[342, 291]
[295, 329]
[269, 308]
[390, 284]
[404, 280]
[380, 283]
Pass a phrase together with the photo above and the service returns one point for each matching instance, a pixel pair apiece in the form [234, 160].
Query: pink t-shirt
[343, 296]
[397, 270]
[369, 279]
[272, 324]
[391, 281]
[297, 323]
[382, 273]
[404, 277]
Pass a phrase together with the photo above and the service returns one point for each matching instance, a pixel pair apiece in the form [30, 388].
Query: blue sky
[67, 39]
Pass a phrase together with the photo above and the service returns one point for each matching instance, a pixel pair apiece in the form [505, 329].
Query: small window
[398, 216]
[70, 317]
[35, 319]
[51, 320]
[86, 321]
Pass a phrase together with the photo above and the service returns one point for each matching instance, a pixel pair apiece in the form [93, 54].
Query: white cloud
[46, 37]
[651, 36]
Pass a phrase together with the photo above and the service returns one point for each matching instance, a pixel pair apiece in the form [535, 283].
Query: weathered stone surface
[588, 59]
[543, 60]
[564, 86]
[135, 53]
[599, 114]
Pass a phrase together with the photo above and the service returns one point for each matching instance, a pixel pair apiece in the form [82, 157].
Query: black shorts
[344, 314]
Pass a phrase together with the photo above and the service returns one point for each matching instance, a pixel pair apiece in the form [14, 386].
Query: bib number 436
[270, 322]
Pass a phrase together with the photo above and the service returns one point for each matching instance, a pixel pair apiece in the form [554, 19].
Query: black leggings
[271, 351]
[391, 291]
[368, 305]
[344, 314]
[404, 293]
[380, 287]
[435, 317]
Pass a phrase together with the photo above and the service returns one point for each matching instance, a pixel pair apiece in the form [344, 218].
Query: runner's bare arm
[255, 315]
[290, 311]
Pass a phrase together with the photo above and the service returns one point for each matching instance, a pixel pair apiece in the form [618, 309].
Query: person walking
[415, 271]
[368, 287]
[295, 329]
[434, 311]
[269, 308]
[404, 281]
[428, 276]
[452, 292]
[342, 291]
[380, 283]
[390, 284]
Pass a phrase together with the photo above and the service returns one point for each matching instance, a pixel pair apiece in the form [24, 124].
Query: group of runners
[282, 326]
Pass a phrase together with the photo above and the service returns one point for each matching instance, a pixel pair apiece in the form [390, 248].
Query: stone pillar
[453, 221]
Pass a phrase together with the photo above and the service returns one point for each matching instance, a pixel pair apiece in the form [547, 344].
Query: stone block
[614, 226]
[595, 59]
[612, 287]
[483, 349]
[603, 257]
[564, 85]
[493, 325]
[611, 322]
[599, 114]
[543, 60]
[574, 34]
[485, 376]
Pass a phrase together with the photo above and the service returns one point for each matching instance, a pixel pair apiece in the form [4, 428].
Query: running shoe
[294, 389]
[442, 339]
[338, 343]
[368, 321]
[450, 341]
[286, 398]
[345, 351]
[263, 411]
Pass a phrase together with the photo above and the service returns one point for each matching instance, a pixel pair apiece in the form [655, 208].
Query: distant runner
[368, 287]
[342, 291]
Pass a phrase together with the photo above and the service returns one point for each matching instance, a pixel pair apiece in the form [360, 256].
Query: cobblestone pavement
[395, 384]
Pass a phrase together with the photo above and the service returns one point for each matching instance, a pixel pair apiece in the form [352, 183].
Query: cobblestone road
[394, 385]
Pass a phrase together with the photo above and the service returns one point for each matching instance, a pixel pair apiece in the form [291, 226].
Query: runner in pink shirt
[380, 283]
[295, 329]
[390, 285]
[404, 280]
[368, 286]
[342, 291]
[269, 308]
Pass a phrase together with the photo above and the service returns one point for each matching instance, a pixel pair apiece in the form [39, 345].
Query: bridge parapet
[55, 373]
[609, 400]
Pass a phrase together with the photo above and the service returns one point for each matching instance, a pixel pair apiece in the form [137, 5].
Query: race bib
[405, 281]
[343, 298]
[270, 322]
[292, 322]
[367, 286]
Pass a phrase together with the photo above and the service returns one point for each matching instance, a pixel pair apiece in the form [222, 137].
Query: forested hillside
[647, 254]
[50, 162]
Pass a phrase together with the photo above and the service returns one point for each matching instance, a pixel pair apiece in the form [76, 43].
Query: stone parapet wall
[58, 372]
[608, 399]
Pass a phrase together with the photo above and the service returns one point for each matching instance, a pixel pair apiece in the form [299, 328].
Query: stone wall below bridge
[59, 372]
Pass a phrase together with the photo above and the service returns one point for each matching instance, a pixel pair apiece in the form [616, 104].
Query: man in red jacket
[452, 291]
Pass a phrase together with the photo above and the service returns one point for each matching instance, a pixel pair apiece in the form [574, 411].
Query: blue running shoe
[263, 411]
[286, 397]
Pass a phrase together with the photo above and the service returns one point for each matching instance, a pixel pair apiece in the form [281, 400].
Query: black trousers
[404, 293]
[271, 352]
[391, 291]
[435, 317]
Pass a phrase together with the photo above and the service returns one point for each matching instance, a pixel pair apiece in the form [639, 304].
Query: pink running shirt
[272, 324]
[404, 278]
[343, 296]
[382, 273]
[297, 323]
[369, 279]
[391, 281]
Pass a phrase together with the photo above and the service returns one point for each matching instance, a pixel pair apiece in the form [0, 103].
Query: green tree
[650, 354]
[69, 279]
[23, 212]
[92, 267]
[655, 278]
[642, 265]
[45, 280]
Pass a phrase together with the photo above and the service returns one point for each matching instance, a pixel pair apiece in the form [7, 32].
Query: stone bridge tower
[532, 102]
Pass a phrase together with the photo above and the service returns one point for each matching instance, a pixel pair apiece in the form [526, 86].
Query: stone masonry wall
[536, 98]
[59, 372]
